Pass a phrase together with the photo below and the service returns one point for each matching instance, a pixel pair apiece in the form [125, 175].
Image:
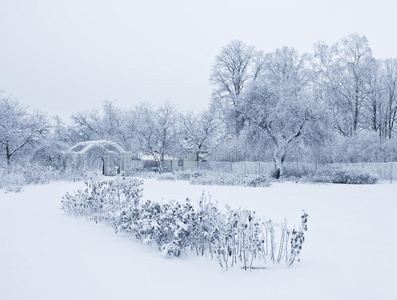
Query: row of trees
[336, 104]
[155, 131]
[292, 101]
[358, 90]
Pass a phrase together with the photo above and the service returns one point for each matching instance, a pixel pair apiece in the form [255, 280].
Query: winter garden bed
[234, 237]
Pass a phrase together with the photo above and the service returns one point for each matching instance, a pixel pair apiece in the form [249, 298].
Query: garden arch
[108, 156]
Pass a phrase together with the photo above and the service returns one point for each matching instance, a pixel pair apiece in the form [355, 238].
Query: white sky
[67, 56]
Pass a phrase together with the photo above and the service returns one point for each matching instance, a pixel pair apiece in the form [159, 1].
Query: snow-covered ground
[350, 250]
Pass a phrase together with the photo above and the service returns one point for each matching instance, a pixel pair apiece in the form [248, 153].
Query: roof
[86, 146]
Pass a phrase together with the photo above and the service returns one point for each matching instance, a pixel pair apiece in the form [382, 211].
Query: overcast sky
[67, 56]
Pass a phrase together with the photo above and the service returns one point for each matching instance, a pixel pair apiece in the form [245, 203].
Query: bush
[188, 175]
[292, 171]
[229, 237]
[104, 200]
[259, 181]
[11, 182]
[231, 180]
[212, 178]
[166, 177]
[342, 177]
[15, 178]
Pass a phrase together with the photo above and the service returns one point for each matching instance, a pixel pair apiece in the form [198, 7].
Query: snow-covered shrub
[231, 179]
[11, 182]
[343, 177]
[171, 249]
[231, 237]
[188, 175]
[167, 226]
[241, 236]
[15, 177]
[166, 177]
[104, 200]
[36, 174]
[216, 179]
[259, 181]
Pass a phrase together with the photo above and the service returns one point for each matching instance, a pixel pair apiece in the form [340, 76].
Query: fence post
[391, 170]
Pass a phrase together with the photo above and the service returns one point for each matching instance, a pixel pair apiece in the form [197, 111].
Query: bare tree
[110, 123]
[157, 131]
[345, 69]
[235, 67]
[199, 133]
[18, 128]
[390, 94]
[373, 113]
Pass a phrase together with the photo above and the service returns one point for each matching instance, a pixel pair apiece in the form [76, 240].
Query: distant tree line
[337, 104]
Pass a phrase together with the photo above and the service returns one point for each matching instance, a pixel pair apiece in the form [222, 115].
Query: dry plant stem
[283, 228]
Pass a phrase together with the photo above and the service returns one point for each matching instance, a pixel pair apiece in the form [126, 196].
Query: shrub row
[13, 179]
[231, 179]
[215, 178]
[342, 177]
[231, 237]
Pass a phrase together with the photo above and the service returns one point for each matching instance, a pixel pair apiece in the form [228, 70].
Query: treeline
[337, 104]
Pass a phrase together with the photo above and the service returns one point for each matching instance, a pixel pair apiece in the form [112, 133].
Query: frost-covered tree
[345, 69]
[110, 123]
[19, 129]
[200, 133]
[281, 104]
[51, 148]
[374, 112]
[390, 94]
[157, 131]
[87, 126]
[235, 67]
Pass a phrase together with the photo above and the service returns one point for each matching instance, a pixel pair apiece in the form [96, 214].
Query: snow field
[349, 252]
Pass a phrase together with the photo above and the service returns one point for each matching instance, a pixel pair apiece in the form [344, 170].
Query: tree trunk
[278, 166]
[160, 166]
[8, 155]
